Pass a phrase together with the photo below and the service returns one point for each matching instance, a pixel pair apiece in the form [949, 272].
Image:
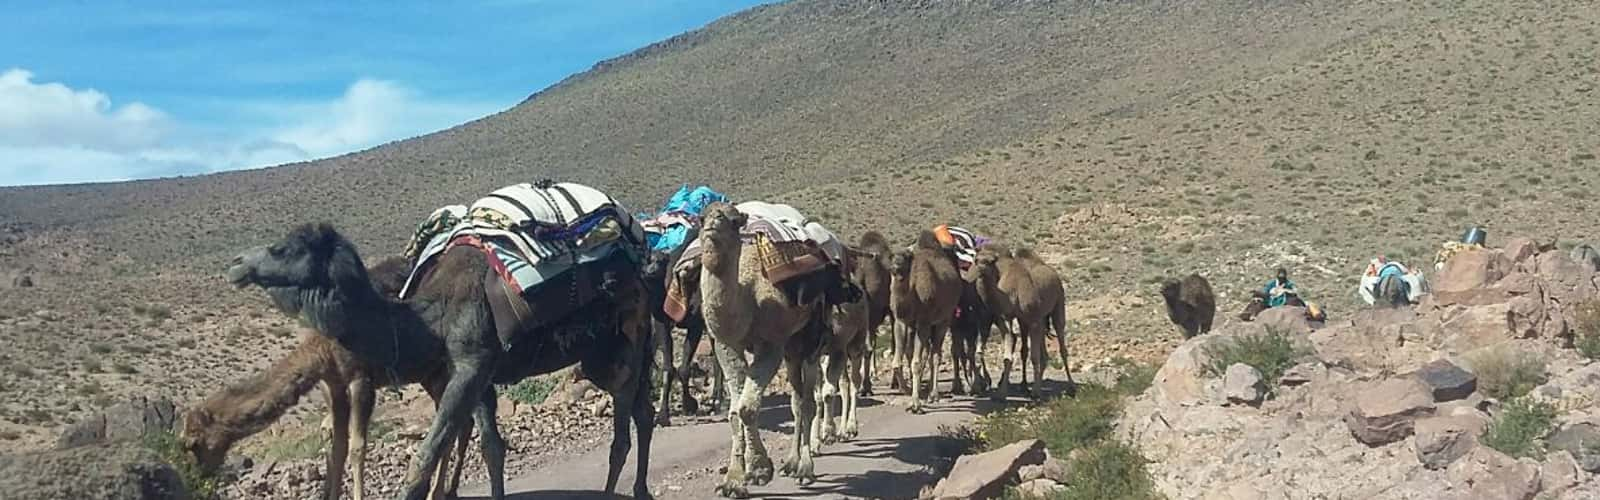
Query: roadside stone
[1181, 380]
[1582, 440]
[1040, 488]
[1492, 474]
[1242, 384]
[1559, 473]
[1056, 470]
[1387, 412]
[985, 475]
[1447, 381]
[116, 470]
[1472, 268]
[1030, 472]
[1442, 440]
[130, 420]
[1520, 249]
[1303, 373]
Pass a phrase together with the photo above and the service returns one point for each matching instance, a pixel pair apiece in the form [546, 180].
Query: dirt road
[896, 454]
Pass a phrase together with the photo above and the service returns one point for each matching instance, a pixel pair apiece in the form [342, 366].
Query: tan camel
[923, 292]
[249, 406]
[746, 313]
[1019, 286]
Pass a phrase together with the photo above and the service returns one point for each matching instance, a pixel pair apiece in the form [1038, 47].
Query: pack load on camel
[672, 226]
[534, 235]
[1391, 283]
[787, 243]
[965, 243]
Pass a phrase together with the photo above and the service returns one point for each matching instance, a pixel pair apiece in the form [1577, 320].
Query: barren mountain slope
[1131, 139]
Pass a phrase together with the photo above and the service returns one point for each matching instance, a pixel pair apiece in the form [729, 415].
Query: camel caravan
[536, 278]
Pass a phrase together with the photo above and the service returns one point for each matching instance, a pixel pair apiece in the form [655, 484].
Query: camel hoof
[915, 410]
[663, 420]
[850, 434]
[643, 495]
[726, 490]
[830, 438]
[760, 473]
[806, 480]
[788, 469]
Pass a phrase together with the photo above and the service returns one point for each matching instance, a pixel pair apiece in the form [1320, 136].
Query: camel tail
[1058, 317]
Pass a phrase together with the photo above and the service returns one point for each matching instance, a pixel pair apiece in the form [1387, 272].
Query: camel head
[722, 218]
[311, 259]
[200, 439]
[1170, 289]
[900, 263]
[986, 265]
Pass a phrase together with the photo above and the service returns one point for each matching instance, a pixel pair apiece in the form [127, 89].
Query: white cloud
[52, 133]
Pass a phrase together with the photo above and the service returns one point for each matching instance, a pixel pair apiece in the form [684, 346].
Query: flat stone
[1442, 440]
[1387, 412]
[1303, 373]
[986, 475]
[1582, 440]
[1447, 381]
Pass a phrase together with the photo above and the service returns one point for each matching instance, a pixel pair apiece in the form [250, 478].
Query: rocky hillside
[1478, 392]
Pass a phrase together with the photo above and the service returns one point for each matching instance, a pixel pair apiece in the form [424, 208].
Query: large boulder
[1491, 475]
[1290, 319]
[130, 420]
[1446, 380]
[111, 471]
[1387, 412]
[986, 475]
[1182, 379]
[1442, 440]
[1472, 268]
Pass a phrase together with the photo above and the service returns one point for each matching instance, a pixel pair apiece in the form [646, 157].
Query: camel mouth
[239, 276]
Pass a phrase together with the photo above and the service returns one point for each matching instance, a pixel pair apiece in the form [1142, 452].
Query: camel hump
[926, 239]
[1024, 253]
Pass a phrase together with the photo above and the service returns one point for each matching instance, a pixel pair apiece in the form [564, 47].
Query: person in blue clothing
[1280, 290]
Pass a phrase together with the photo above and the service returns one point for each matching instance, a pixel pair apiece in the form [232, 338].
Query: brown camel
[1019, 286]
[969, 332]
[924, 290]
[659, 269]
[249, 406]
[1190, 304]
[449, 335]
[746, 313]
[871, 273]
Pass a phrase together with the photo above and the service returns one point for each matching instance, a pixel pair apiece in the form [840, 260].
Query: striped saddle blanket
[530, 232]
[785, 242]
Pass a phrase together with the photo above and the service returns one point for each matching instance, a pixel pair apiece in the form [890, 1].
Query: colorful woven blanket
[530, 232]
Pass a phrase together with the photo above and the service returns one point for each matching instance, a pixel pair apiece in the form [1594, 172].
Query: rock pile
[1387, 403]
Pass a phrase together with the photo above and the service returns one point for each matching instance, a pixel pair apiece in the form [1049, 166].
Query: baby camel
[247, 407]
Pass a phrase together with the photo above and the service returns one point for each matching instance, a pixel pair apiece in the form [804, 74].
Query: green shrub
[1109, 470]
[305, 444]
[530, 391]
[1270, 353]
[170, 449]
[1506, 374]
[1586, 331]
[1518, 429]
[1133, 378]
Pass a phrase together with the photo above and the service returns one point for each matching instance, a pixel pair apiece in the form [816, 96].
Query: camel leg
[918, 355]
[803, 383]
[719, 382]
[669, 373]
[644, 430]
[1039, 359]
[490, 443]
[865, 367]
[899, 354]
[733, 366]
[1058, 319]
[762, 369]
[691, 343]
[446, 483]
[339, 408]
[836, 369]
[937, 360]
[958, 367]
[1008, 357]
[464, 390]
[362, 394]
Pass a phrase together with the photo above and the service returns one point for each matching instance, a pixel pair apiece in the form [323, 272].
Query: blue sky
[113, 90]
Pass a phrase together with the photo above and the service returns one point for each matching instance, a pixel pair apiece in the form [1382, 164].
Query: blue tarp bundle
[688, 204]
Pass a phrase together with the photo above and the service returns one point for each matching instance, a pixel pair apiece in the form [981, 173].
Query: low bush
[1270, 353]
[1505, 373]
[1520, 428]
